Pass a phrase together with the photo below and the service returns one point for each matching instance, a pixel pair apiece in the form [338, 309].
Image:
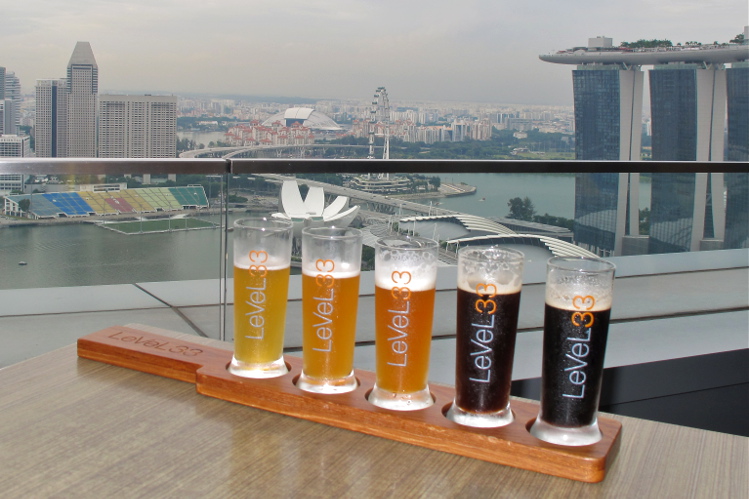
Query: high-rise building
[11, 104]
[13, 146]
[137, 126]
[83, 87]
[66, 109]
[688, 90]
[737, 85]
[608, 122]
[737, 184]
[50, 128]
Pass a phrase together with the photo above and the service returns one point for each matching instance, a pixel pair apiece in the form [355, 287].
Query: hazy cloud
[480, 50]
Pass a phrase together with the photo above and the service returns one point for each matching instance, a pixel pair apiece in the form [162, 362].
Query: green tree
[24, 205]
[521, 209]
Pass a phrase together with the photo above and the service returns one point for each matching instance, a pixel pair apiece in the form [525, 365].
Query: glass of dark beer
[579, 292]
[489, 282]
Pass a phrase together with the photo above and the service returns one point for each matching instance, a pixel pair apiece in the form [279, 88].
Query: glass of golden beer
[331, 265]
[576, 325]
[405, 280]
[489, 282]
[262, 259]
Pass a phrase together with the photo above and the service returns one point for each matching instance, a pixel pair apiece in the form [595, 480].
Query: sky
[436, 50]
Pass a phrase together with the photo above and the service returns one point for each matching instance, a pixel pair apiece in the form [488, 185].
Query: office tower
[50, 127]
[82, 87]
[2, 83]
[12, 104]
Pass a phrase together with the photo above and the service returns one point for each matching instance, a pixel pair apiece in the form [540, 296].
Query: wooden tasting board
[205, 366]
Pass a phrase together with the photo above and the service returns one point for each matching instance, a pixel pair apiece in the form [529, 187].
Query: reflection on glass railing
[80, 232]
[117, 230]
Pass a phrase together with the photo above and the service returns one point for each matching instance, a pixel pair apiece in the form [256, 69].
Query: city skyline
[477, 51]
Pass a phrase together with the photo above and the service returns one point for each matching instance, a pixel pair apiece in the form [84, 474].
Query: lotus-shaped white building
[311, 211]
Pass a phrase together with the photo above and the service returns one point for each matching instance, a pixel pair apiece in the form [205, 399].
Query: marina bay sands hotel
[699, 109]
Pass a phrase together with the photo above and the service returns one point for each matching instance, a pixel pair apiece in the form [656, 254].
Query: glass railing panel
[88, 244]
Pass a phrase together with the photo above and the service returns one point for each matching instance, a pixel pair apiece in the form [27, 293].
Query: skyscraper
[688, 90]
[737, 184]
[51, 119]
[83, 87]
[608, 123]
[137, 126]
[12, 104]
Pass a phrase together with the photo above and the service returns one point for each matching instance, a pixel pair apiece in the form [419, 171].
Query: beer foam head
[244, 261]
[406, 262]
[334, 268]
[579, 283]
[490, 265]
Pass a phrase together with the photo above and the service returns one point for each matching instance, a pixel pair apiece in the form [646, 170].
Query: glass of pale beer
[579, 293]
[331, 265]
[262, 259]
[490, 279]
[405, 280]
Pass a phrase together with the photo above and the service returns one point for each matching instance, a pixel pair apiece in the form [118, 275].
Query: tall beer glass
[489, 282]
[576, 322]
[262, 258]
[331, 265]
[405, 280]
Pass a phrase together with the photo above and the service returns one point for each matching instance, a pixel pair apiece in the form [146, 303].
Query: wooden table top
[73, 427]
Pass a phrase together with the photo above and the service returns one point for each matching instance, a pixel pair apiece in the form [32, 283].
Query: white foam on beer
[506, 279]
[422, 267]
[342, 270]
[243, 262]
[562, 295]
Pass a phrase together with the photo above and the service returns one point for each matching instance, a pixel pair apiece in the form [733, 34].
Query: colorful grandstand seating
[140, 200]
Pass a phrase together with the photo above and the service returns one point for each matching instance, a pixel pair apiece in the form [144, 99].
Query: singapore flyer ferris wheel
[379, 113]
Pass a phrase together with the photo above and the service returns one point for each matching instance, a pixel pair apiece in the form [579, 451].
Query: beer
[329, 324]
[405, 280]
[489, 282]
[262, 259]
[331, 264]
[572, 373]
[403, 338]
[485, 346]
[260, 298]
[576, 322]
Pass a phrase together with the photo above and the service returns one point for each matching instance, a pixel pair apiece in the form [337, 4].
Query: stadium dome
[304, 116]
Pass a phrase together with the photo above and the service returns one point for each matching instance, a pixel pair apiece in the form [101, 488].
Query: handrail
[92, 166]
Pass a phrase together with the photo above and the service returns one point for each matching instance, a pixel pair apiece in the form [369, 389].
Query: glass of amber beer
[579, 292]
[262, 258]
[489, 282]
[405, 280]
[331, 265]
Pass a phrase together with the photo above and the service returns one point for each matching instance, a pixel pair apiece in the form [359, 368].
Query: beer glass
[331, 265]
[262, 258]
[489, 282]
[576, 322]
[405, 280]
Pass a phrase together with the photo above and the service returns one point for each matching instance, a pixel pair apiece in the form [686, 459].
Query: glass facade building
[673, 105]
[608, 100]
[737, 83]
